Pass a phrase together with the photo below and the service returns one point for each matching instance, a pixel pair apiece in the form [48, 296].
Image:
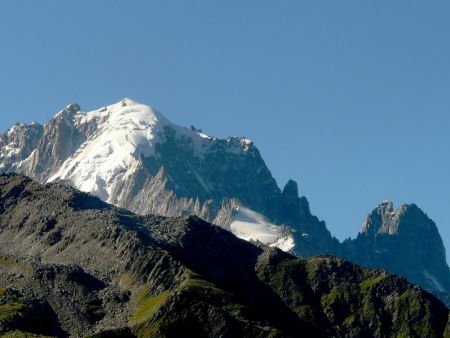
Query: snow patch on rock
[252, 226]
[117, 137]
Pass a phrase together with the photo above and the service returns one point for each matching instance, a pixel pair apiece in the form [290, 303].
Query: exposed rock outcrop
[403, 241]
[79, 266]
[131, 156]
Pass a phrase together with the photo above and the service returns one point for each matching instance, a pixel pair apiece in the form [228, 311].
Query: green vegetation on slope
[9, 305]
[147, 307]
[348, 300]
[22, 334]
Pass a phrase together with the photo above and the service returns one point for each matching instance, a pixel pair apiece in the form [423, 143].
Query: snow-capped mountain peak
[130, 155]
[117, 136]
[68, 112]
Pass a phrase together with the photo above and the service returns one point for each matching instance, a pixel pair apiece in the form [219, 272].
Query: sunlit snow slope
[252, 226]
[129, 155]
[120, 134]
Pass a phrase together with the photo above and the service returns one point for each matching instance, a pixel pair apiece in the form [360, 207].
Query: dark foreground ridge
[185, 174]
[71, 265]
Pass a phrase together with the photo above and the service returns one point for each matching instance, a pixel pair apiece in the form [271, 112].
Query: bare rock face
[311, 235]
[58, 141]
[17, 144]
[129, 155]
[403, 241]
[72, 265]
[163, 169]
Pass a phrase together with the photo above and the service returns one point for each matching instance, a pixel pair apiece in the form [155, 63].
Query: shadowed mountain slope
[130, 155]
[78, 266]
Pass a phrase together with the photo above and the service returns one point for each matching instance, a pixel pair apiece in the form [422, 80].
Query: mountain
[73, 265]
[403, 241]
[130, 155]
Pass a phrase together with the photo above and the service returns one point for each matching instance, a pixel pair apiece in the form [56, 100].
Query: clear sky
[349, 98]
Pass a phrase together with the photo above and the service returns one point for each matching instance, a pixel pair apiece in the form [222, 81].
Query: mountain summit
[130, 155]
[111, 143]
[403, 241]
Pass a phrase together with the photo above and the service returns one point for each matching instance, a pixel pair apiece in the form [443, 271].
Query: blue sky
[349, 98]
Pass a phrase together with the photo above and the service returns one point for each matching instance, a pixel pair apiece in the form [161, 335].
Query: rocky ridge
[131, 156]
[80, 267]
[405, 241]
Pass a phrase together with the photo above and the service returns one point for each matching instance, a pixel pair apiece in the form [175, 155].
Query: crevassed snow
[252, 226]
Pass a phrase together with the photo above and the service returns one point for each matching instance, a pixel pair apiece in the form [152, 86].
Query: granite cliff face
[403, 241]
[71, 264]
[17, 144]
[131, 156]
